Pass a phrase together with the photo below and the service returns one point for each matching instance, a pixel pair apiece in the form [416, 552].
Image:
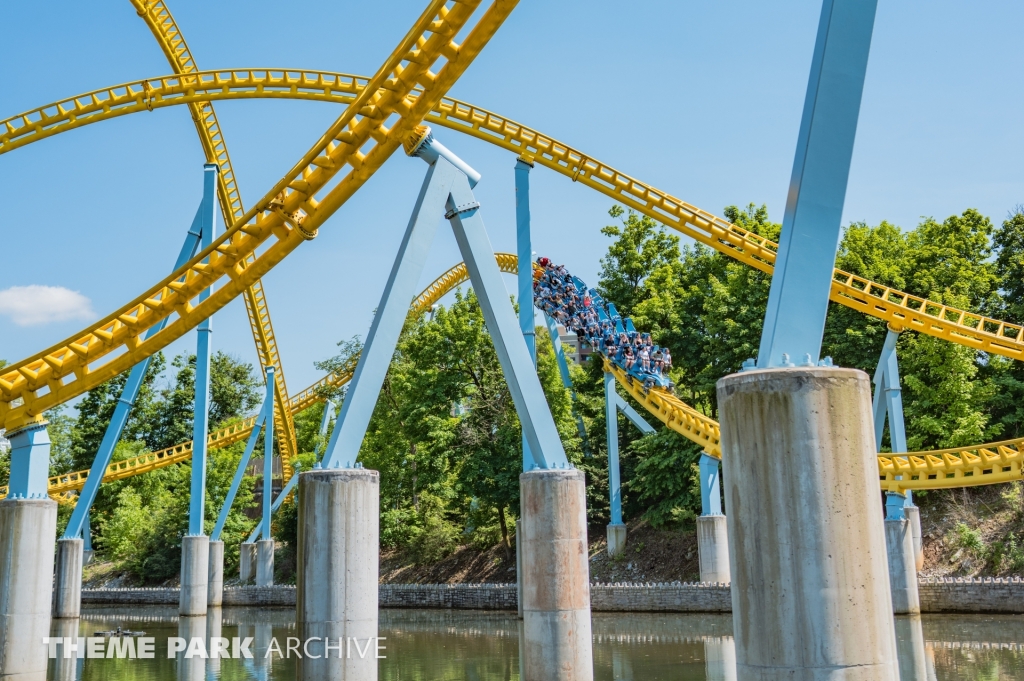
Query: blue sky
[702, 99]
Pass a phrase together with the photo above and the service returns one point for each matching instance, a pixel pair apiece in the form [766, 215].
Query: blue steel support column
[200, 429]
[798, 299]
[524, 250]
[710, 487]
[611, 415]
[30, 461]
[236, 481]
[888, 398]
[268, 455]
[79, 517]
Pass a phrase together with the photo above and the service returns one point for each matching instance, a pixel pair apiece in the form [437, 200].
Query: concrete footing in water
[899, 543]
[195, 573]
[616, 539]
[67, 587]
[336, 599]
[713, 549]
[28, 529]
[215, 575]
[810, 588]
[913, 514]
[265, 562]
[556, 577]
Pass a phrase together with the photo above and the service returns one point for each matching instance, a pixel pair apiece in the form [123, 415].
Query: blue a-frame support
[447, 189]
[79, 517]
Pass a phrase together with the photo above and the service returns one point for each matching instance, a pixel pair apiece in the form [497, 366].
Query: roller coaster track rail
[380, 117]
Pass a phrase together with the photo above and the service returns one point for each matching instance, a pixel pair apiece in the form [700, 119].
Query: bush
[436, 537]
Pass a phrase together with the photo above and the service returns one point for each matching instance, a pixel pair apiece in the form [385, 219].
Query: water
[436, 645]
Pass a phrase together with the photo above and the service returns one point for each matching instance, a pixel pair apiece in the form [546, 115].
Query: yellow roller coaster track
[158, 17]
[358, 143]
[898, 308]
[61, 485]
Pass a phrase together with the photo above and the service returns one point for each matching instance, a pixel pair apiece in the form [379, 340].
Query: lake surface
[437, 645]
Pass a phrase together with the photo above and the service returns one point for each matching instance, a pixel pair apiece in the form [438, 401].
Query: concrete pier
[265, 562]
[616, 539]
[28, 529]
[713, 549]
[67, 587]
[913, 514]
[899, 543]
[556, 579]
[339, 545]
[215, 575]
[519, 567]
[810, 590]
[195, 573]
[247, 562]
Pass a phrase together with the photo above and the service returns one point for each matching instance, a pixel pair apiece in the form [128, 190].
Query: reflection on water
[434, 645]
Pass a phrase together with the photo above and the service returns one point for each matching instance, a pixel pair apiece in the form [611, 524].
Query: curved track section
[899, 309]
[62, 484]
[351, 150]
[161, 23]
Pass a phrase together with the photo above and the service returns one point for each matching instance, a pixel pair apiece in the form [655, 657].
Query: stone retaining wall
[937, 595]
[949, 594]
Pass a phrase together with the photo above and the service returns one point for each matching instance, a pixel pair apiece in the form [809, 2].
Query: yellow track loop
[897, 308]
[63, 484]
[358, 143]
[158, 17]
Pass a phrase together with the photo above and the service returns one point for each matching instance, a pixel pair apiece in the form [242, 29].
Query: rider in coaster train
[567, 300]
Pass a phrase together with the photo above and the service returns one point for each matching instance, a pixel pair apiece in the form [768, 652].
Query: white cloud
[34, 305]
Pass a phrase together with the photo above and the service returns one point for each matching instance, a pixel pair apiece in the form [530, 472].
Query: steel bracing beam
[268, 462]
[130, 392]
[710, 485]
[447, 190]
[888, 401]
[798, 299]
[236, 480]
[204, 339]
